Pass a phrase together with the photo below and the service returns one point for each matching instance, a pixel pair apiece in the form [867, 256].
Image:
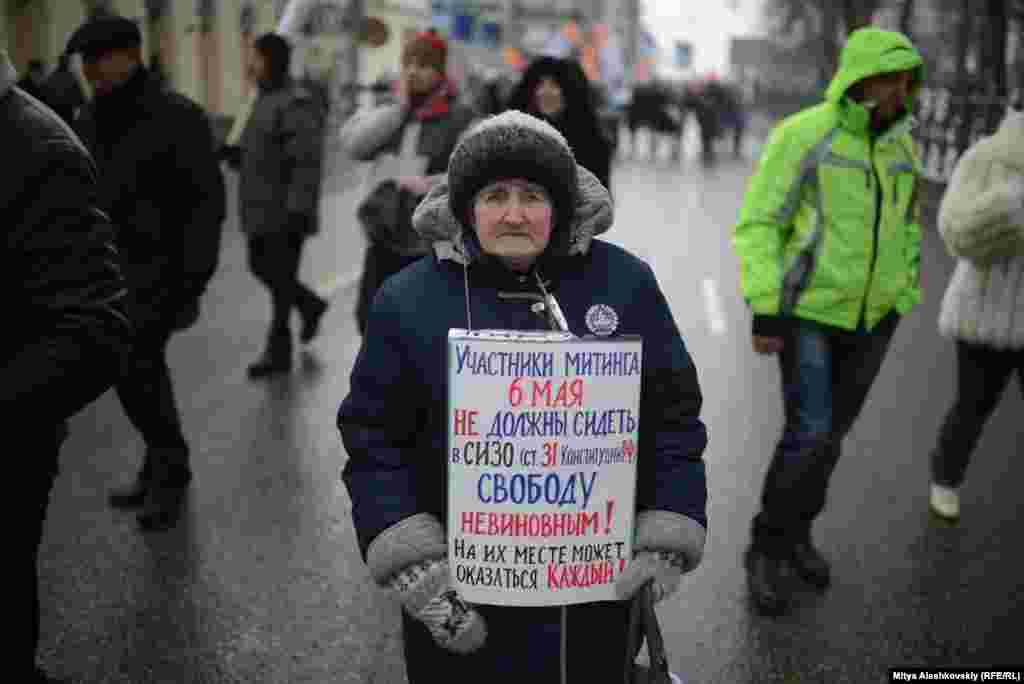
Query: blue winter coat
[393, 422]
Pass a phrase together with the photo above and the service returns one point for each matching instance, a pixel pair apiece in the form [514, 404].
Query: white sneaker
[945, 501]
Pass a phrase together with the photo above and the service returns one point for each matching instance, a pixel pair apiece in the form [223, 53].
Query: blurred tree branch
[818, 25]
[970, 36]
[907, 18]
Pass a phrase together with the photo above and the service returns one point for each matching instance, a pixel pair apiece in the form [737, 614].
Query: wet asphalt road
[262, 582]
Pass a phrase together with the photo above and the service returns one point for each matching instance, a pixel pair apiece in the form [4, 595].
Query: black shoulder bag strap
[643, 626]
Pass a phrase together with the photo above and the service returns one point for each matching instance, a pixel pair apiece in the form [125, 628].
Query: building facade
[202, 46]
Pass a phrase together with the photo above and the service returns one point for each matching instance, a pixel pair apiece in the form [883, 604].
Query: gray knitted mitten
[427, 596]
[665, 568]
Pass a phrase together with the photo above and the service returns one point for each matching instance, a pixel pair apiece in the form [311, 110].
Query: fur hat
[514, 145]
[428, 48]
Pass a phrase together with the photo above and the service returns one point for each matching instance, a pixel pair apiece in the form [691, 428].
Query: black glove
[232, 154]
[186, 315]
[302, 224]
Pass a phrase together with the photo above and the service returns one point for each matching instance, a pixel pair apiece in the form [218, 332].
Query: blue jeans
[826, 376]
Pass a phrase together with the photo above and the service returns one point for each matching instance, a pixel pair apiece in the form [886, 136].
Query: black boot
[811, 565]
[311, 320]
[276, 360]
[43, 678]
[165, 497]
[766, 582]
[163, 507]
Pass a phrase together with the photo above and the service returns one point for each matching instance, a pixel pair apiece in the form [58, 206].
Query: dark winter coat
[394, 425]
[281, 157]
[651, 107]
[62, 91]
[579, 122]
[161, 184]
[58, 269]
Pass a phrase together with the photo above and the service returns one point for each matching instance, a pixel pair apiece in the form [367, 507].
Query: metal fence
[948, 123]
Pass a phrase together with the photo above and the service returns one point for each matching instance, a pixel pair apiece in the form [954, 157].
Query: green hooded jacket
[829, 228]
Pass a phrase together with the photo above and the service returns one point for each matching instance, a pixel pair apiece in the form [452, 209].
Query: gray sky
[707, 24]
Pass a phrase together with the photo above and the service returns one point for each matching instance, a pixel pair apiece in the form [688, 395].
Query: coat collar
[855, 117]
[7, 73]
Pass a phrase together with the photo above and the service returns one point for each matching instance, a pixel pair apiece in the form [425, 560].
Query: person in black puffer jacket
[278, 160]
[59, 269]
[162, 187]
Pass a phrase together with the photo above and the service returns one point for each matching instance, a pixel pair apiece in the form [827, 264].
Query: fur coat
[981, 219]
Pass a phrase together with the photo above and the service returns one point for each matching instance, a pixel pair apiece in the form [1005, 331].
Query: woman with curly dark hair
[557, 91]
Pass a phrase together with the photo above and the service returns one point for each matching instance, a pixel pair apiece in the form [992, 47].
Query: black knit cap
[103, 34]
[514, 145]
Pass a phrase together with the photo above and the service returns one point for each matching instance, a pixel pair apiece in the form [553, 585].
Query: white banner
[542, 438]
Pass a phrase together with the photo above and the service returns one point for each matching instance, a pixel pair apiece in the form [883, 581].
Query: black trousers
[379, 264]
[147, 396]
[274, 260]
[524, 645]
[40, 471]
[982, 374]
[826, 376]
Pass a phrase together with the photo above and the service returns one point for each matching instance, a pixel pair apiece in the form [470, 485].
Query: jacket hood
[552, 67]
[435, 222]
[567, 74]
[871, 51]
[7, 73]
[277, 52]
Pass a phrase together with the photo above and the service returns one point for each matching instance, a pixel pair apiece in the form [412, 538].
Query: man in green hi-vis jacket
[829, 247]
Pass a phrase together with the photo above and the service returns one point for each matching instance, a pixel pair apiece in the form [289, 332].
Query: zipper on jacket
[874, 242]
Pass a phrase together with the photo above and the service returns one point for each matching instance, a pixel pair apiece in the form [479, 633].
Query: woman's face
[419, 77]
[549, 97]
[259, 67]
[513, 221]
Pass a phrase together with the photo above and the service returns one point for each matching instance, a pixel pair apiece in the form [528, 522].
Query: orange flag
[590, 63]
[572, 33]
[514, 58]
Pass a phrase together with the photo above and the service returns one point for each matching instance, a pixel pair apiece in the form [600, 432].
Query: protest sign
[542, 446]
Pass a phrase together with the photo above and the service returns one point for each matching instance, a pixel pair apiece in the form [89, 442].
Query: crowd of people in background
[481, 207]
[663, 109]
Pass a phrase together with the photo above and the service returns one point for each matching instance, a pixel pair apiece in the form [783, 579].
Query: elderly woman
[514, 221]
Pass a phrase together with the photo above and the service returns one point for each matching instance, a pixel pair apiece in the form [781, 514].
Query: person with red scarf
[410, 142]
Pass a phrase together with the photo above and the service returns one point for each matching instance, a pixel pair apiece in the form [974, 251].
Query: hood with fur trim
[454, 241]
